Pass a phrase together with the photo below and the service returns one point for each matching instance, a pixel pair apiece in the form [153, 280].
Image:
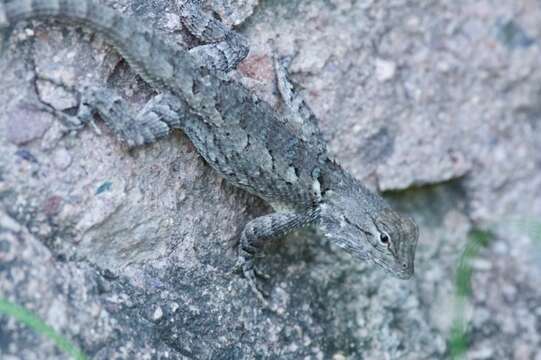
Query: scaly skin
[282, 160]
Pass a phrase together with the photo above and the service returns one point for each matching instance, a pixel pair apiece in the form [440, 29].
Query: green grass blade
[32, 321]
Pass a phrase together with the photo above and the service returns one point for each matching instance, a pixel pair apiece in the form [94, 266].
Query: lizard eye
[384, 238]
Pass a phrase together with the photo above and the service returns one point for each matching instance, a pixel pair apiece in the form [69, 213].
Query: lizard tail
[85, 12]
[131, 39]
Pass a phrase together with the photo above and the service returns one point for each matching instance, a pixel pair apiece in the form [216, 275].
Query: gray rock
[25, 124]
[129, 254]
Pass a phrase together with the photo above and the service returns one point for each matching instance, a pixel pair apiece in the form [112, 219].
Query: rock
[129, 254]
[158, 314]
[24, 124]
[385, 70]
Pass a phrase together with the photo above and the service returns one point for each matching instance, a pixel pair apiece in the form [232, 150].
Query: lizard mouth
[398, 271]
[405, 273]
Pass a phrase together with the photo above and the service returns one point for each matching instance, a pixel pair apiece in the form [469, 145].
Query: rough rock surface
[129, 254]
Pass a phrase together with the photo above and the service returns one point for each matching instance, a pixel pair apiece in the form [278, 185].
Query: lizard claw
[237, 268]
[84, 114]
[251, 274]
[261, 274]
[261, 294]
[73, 123]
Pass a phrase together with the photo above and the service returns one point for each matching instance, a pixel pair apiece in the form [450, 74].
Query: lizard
[281, 158]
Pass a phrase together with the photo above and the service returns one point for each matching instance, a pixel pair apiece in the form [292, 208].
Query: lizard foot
[251, 274]
[83, 116]
[72, 123]
[264, 229]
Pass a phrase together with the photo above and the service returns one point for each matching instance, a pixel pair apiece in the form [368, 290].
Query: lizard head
[363, 224]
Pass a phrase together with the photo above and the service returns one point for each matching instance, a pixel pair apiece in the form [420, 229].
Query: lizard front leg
[297, 115]
[223, 49]
[264, 229]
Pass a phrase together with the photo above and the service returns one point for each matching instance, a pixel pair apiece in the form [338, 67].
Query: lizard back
[257, 152]
[238, 134]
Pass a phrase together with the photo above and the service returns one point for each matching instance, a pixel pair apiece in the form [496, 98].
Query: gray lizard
[281, 158]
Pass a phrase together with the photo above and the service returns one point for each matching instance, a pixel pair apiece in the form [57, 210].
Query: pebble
[385, 70]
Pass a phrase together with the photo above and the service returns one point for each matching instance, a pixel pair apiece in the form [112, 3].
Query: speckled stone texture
[129, 253]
